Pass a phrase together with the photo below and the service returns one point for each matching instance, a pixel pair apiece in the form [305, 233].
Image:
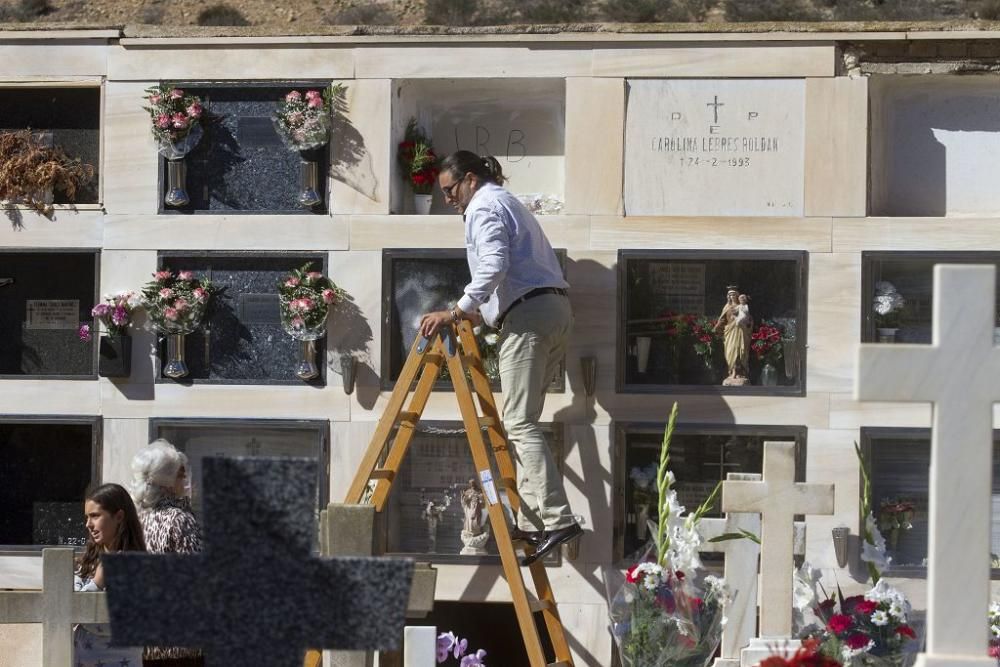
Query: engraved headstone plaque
[714, 148]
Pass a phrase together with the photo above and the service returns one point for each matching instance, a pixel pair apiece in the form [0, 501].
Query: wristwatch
[454, 316]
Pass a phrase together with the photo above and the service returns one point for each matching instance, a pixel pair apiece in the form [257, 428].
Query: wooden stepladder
[455, 347]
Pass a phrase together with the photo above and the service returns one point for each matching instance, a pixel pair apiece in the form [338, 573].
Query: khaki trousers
[533, 341]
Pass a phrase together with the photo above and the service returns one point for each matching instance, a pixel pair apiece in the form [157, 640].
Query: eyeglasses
[449, 190]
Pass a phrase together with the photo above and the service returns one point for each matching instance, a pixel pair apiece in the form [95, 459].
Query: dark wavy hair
[111, 498]
[486, 169]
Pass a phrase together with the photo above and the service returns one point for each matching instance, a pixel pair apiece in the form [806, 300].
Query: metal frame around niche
[321, 351]
[622, 430]
[556, 430]
[870, 433]
[269, 83]
[389, 255]
[320, 426]
[802, 320]
[870, 257]
[95, 332]
[96, 423]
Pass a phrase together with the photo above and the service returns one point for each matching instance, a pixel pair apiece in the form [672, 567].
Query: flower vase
[175, 368]
[306, 368]
[115, 360]
[422, 204]
[176, 188]
[309, 194]
[887, 334]
[642, 344]
[769, 375]
[307, 335]
[641, 521]
[791, 352]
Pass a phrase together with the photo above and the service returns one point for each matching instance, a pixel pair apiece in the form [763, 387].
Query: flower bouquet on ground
[418, 163]
[303, 123]
[176, 124]
[115, 313]
[175, 304]
[666, 612]
[304, 300]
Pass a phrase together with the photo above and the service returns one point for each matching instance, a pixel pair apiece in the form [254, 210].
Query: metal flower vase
[307, 335]
[176, 332]
[176, 184]
[309, 189]
[175, 366]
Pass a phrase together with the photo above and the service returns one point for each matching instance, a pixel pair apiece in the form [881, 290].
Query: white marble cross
[778, 498]
[56, 607]
[959, 374]
[741, 570]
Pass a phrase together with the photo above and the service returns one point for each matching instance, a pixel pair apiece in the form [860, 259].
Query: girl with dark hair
[518, 287]
[112, 526]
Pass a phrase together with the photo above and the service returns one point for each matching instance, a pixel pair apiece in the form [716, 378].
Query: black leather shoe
[553, 539]
[532, 537]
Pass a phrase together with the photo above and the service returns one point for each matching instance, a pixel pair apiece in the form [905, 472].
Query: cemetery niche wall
[521, 122]
[933, 145]
[41, 311]
[433, 514]
[46, 464]
[900, 463]
[415, 282]
[241, 340]
[715, 147]
[700, 457]
[897, 289]
[201, 438]
[67, 118]
[241, 164]
[682, 322]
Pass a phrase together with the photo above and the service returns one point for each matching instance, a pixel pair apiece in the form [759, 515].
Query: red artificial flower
[839, 623]
[705, 338]
[679, 574]
[856, 641]
[866, 607]
[632, 576]
[808, 655]
[906, 631]
[696, 605]
[994, 651]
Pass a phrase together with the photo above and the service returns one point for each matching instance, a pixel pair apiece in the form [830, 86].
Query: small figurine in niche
[431, 512]
[736, 324]
[475, 532]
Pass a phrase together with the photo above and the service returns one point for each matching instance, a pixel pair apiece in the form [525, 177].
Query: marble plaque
[714, 148]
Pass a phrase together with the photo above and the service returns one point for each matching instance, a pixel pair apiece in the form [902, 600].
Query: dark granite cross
[257, 595]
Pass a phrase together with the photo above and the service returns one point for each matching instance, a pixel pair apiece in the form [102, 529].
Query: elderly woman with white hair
[161, 493]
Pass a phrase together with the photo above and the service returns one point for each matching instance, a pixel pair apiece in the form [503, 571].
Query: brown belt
[538, 291]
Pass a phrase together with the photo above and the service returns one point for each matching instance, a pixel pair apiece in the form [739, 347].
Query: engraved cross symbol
[716, 104]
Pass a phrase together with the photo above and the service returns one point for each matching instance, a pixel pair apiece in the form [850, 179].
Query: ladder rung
[469, 360]
[541, 605]
[408, 418]
[432, 357]
[383, 473]
[508, 483]
[487, 422]
[561, 663]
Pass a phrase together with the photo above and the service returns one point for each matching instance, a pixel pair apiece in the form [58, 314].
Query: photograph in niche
[899, 289]
[725, 320]
[436, 510]
[700, 458]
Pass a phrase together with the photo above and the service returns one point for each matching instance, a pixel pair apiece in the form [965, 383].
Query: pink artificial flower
[100, 310]
[292, 282]
[119, 317]
[328, 296]
[154, 98]
[315, 102]
[200, 293]
[310, 94]
[180, 304]
[298, 323]
[194, 110]
[166, 293]
[176, 94]
[306, 304]
[170, 314]
[295, 118]
[293, 96]
[180, 120]
[84, 333]
[163, 121]
[185, 275]
[163, 275]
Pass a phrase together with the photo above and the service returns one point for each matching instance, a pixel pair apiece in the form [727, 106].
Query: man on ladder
[518, 288]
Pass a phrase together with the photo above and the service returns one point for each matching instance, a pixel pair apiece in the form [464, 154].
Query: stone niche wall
[522, 122]
[934, 142]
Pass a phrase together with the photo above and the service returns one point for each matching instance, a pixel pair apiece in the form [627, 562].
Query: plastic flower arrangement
[765, 343]
[176, 302]
[661, 615]
[894, 516]
[643, 484]
[887, 304]
[176, 119]
[302, 120]
[993, 616]
[417, 159]
[706, 338]
[807, 655]
[305, 298]
[115, 313]
[449, 645]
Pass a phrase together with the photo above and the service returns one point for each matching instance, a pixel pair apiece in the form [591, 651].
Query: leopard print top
[170, 527]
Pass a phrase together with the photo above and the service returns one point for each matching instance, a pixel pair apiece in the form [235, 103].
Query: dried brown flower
[29, 170]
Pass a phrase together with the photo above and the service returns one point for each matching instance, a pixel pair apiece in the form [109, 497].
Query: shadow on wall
[350, 161]
[349, 335]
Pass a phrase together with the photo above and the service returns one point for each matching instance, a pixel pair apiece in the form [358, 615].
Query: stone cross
[741, 569]
[959, 374]
[257, 595]
[56, 607]
[778, 498]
